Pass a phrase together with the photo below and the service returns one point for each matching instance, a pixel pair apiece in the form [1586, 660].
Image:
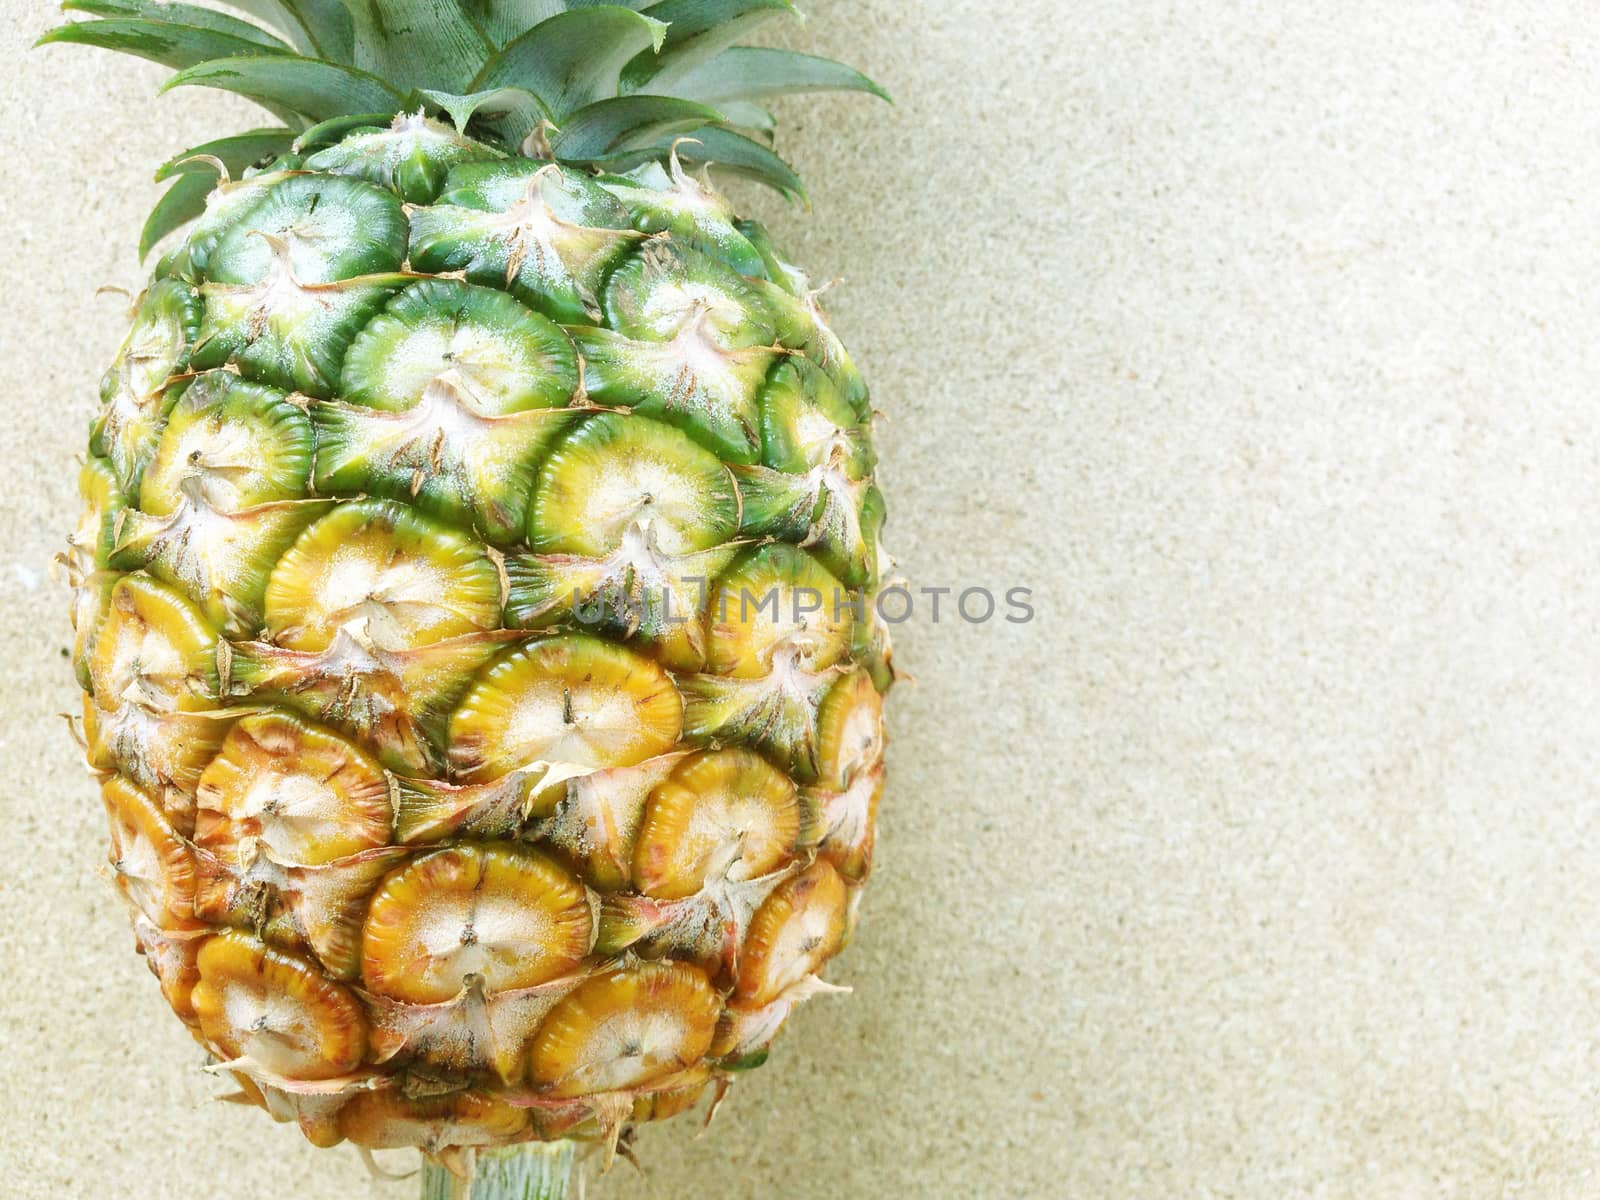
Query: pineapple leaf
[177, 14]
[318, 90]
[196, 172]
[182, 203]
[753, 72]
[749, 116]
[326, 133]
[515, 112]
[417, 43]
[596, 133]
[614, 82]
[506, 20]
[574, 59]
[176, 46]
[731, 151]
[236, 153]
[321, 28]
[697, 31]
[725, 149]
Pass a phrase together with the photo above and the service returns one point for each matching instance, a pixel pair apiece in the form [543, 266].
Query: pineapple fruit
[474, 594]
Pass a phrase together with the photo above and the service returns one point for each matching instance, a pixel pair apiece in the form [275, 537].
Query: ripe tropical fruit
[474, 593]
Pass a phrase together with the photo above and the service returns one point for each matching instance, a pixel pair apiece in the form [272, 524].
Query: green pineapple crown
[608, 87]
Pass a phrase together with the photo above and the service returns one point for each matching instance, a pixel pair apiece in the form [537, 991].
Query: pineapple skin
[474, 609]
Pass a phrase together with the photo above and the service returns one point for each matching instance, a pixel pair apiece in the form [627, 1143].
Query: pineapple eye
[850, 746]
[386, 1120]
[374, 565]
[722, 814]
[546, 235]
[271, 1008]
[627, 1029]
[843, 823]
[806, 424]
[850, 733]
[569, 700]
[814, 487]
[798, 929]
[134, 390]
[302, 794]
[152, 866]
[91, 541]
[511, 917]
[667, 285]
[499, 355]
[777, 598]
[411, 157]
[153, 650]
[334, 228]
[691, 344]
[152, 679]
[615, 471]
[221, 498]
[451, 396]
[688, 381]
[680, 204]
[632, 520]
[242, 444]
[91, 603]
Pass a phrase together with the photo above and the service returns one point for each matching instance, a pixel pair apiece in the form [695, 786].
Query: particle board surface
[1258, 340]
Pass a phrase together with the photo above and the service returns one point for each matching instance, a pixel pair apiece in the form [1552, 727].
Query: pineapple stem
[531, 1171]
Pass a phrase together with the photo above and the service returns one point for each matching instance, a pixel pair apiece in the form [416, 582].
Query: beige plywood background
[1258, 339]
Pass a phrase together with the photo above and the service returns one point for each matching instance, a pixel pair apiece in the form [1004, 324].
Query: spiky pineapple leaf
[176, 46]
[506, 20]
[418, 43]
[196, 172]
[235, 153]
[691, 19]
[726, 149]
[320, 28]
[326, 133]
[697, 31]
[616, 81]
[180, 204]
[177, 14]
[514, 112]
[574, 59]
[596, 133]
[732, 151]
[754, 72]
[749, 116]
[318, 90]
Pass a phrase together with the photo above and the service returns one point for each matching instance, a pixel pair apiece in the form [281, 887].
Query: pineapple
[474, 595]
